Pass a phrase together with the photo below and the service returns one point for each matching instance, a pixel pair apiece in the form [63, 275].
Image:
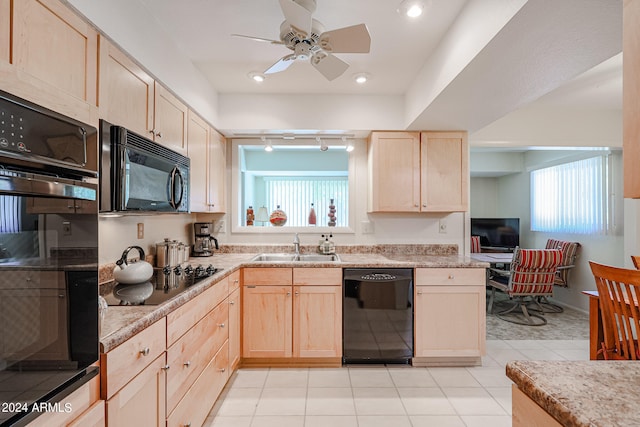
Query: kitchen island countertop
[122, 322]
[582, 393]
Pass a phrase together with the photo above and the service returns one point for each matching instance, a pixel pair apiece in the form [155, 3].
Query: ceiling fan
[307, 39]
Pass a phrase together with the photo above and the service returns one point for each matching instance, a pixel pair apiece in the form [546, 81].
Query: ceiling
[487, 66]
[202, 30]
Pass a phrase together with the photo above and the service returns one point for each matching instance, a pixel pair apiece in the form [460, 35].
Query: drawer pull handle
[166, 367]
[419, 292]
[221, 325]
[187, 363]
[145, 351]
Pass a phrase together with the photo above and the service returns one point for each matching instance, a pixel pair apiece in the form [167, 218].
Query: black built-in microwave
[140, 175]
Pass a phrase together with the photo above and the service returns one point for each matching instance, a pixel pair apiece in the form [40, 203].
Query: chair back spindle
[619, 296]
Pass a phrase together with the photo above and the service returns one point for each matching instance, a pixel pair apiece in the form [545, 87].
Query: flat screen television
[497, 232]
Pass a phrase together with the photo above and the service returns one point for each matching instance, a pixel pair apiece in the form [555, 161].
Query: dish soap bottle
[312, 215]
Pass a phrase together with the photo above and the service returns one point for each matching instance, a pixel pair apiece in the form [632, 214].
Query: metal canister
[180, 256]
[162, 253]
[173, 253]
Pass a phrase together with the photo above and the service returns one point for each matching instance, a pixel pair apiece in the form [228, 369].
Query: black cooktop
[165, 284]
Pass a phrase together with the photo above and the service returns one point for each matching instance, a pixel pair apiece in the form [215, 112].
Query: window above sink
[292, 177]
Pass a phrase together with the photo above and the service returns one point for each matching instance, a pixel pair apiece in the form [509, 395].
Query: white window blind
[295, 195]
[572, 197]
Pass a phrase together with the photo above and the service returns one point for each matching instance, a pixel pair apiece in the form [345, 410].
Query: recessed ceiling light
[361, 78]
[256, 77]
[411, 8]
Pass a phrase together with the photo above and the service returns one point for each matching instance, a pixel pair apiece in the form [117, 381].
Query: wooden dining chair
[618, 295]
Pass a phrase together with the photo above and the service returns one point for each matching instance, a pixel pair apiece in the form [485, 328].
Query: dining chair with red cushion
[531, 275]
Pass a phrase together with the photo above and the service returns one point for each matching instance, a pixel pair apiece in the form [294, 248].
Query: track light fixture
[348, 145]
[323, 144]
[267, 144]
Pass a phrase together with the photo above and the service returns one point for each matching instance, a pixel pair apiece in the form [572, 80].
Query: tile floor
[379, 396]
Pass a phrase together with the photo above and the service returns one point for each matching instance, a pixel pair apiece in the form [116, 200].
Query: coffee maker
[204, 242]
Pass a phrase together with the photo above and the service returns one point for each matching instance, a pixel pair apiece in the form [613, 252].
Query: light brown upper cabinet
[5, 30]
[207, 152]
[418, 172]
[631, 98]
[49, 55]
[169, 120]
[126, 91]
[130, 97]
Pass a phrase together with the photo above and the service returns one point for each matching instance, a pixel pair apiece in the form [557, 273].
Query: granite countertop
[582, 393]
[122, 322]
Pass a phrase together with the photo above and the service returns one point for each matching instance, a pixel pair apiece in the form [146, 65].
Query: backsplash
[105, 273]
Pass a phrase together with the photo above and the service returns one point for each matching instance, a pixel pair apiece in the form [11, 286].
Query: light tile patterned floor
[384, 396]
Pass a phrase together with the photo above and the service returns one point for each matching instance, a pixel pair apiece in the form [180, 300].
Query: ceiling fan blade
[258, 39]
[329, 65]
[297, 16]
[282, 64]
[354, 39]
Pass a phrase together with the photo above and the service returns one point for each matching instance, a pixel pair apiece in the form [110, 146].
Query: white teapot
[136, 272]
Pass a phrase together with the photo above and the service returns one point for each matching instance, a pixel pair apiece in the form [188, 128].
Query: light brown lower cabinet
[528, 413]
[450, 317]
[87, 410]
[141, 402]
[292, 313]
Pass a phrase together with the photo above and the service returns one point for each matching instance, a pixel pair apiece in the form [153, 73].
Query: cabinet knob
[165, 367]
[187, 363]
[187, 425]
[159, 134]
[297, 293]
[236, 281]
[288, 293]
[232, 302]
[145, 351]
[221, 325]
[221, 370]
[424, 205]
[415, 205]
[451, 277]
[419, 292]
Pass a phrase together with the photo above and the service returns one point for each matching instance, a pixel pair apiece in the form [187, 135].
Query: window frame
[235, 215]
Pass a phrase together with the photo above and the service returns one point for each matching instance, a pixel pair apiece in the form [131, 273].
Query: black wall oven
[48, 258]
[140, 175]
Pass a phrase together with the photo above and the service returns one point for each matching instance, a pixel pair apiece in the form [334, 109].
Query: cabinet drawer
[180, 320]
[35, 279]
[234, 281]
[125, 361]
[188, 357]
[317, 276]
[267, 276]
[450, 276]
[194, 408]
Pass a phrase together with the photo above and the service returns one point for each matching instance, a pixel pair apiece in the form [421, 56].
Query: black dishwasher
[377, 315]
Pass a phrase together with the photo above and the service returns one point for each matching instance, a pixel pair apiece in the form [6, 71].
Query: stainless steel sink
[279, 257]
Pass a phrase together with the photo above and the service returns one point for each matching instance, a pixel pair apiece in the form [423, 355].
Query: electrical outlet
[442, 226]
[140, 230]
[220, 226]
[66, 228]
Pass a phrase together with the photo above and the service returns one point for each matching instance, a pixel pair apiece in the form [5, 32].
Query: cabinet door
[394, 172]
[5, 30]
[55, 45]
[445, 172]
[92, 417]
[234, 329]
[449, 321]
[266, 323]
[126, 91]
[217, 172]
[630, 97]
[142, 401]
[198, 149]
[317, 321]
[170, 120]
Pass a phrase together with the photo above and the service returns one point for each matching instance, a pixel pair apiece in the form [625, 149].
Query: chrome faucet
[296, 244]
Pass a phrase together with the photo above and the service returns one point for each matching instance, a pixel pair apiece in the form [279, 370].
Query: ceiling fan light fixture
[411, 8]
[257, 77]
[361, 78]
